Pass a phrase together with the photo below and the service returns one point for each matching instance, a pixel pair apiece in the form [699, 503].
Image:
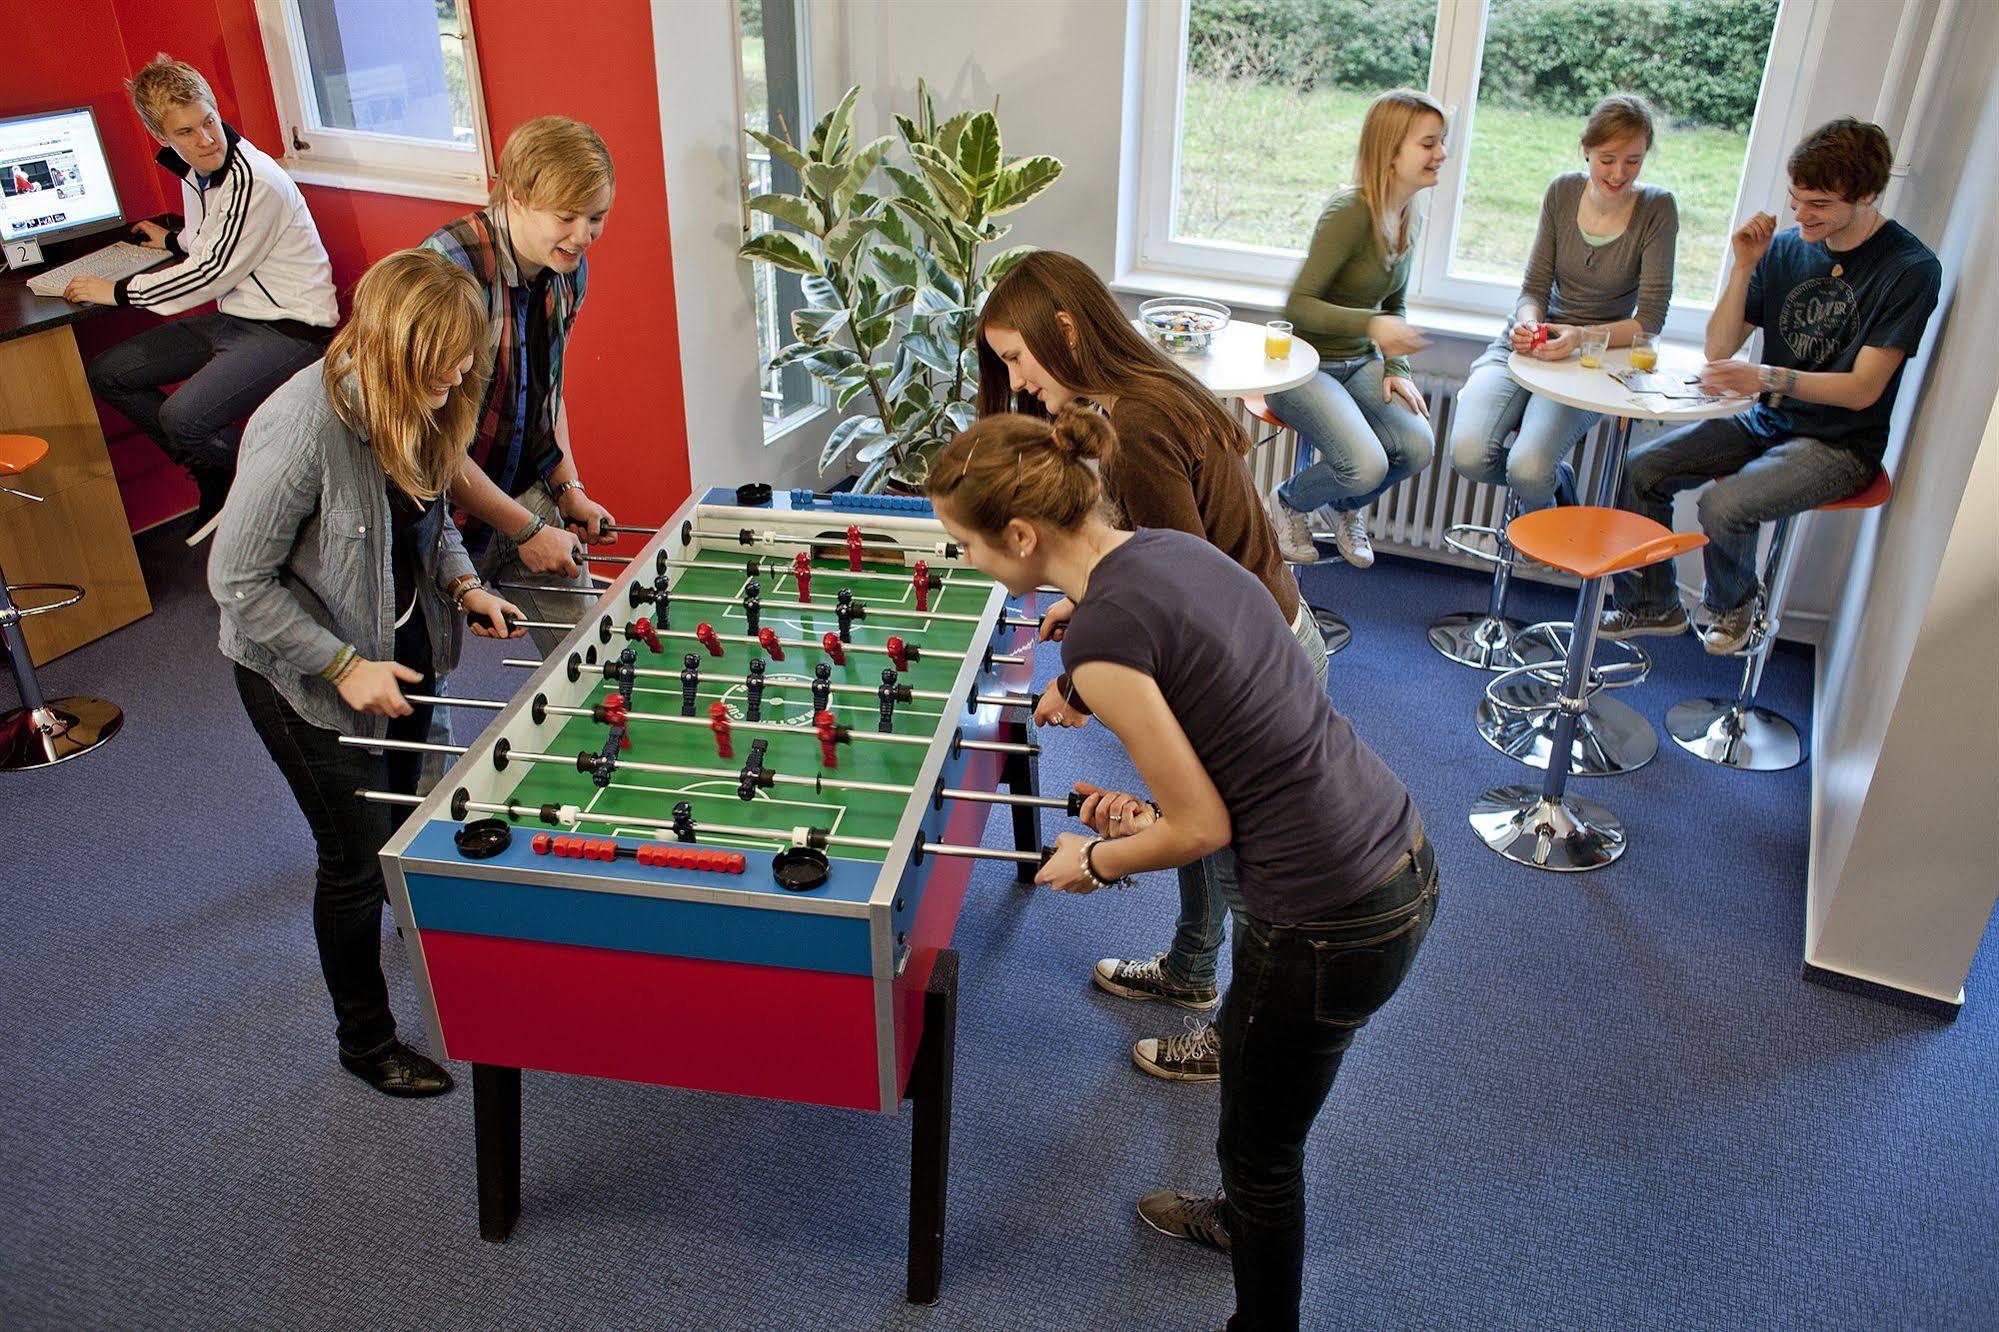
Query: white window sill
[797, 420]
[1259, 300]
[388, 180]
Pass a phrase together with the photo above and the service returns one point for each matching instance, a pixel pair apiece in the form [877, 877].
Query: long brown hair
[1027, 467]
[1387, 123]
[1109, 355]
[416, 316]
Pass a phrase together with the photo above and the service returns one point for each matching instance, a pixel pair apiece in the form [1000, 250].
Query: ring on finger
[1057, 718]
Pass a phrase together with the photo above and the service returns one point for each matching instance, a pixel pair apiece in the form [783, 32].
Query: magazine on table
[1679, 387]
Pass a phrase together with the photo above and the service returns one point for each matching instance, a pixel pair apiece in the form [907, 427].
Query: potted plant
[894, 282]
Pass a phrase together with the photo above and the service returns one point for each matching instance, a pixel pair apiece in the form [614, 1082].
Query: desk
[79, 533]
[1234, 365]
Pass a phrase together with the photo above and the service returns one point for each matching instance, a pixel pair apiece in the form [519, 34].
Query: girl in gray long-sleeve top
[340, 579]
[1603, 255]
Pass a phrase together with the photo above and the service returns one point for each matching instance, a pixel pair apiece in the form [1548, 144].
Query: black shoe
[213, 483]
[1186, 1216]
[397, 1070]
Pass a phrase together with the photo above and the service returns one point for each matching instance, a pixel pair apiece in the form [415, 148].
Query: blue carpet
[1599, 1101]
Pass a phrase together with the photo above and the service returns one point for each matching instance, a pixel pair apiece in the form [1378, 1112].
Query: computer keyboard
[113, 262]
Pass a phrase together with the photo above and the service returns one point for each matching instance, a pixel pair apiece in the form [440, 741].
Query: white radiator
[1410, 519]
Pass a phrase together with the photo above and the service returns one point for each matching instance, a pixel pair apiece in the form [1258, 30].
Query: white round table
[1572, 384]
[1234, 365]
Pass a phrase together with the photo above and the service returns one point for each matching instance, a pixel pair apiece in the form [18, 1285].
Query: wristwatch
[561, 488]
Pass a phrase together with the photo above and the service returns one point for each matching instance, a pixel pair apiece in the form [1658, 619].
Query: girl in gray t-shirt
[1603, 255]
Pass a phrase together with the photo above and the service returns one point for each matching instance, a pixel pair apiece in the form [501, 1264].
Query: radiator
[1410, 519]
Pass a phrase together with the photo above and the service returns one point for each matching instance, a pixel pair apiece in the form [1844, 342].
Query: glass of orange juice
[1595, 341]
[1645, 352]
[1277, 340]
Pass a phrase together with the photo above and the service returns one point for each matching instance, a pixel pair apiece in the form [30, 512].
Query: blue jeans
[1490, 406]
[1208, 891]
[1301, 994]
[1760, 481]
[225, 367]
[1362, 445]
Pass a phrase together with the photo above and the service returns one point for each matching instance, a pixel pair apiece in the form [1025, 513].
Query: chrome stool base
[1611, 737]
[1723, 731]
[1568, 835]
[65, 728]
[1475, 638]
[1333, 627]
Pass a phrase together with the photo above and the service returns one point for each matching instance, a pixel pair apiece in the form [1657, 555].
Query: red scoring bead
[898, 652]
[704, 633]
[541, 843]
[834, 648]
[767, 639]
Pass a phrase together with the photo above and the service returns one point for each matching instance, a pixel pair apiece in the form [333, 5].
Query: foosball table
[720, 837]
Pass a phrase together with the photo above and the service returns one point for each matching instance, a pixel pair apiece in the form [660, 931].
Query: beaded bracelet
[1090, 870]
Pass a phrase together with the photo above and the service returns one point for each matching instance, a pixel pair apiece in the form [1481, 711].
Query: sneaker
[1618, 623]
[1350, 535]
[1294, 532]
[1194, 1055]
[213, 485]
[1728, 632]
[1148, 980]
[1184, 1216]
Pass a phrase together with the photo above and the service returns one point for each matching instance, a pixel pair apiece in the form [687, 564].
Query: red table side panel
[788, 1034]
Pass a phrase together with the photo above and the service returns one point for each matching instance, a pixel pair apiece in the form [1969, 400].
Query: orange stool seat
[1254, 404]
[1592, 542]
[20, 452]
[1870, 496]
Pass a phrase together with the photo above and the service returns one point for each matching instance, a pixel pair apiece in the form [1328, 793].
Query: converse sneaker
[1350, 535]
[1184, 1216]
[1148, 980]
[1194, 1055]
[1294, 532]
[1728, 632]
[1618, 623]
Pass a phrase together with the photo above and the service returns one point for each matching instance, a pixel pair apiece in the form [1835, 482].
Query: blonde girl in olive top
[1361, 415]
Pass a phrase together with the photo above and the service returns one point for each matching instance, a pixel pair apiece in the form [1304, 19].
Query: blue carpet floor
[1601, 1101]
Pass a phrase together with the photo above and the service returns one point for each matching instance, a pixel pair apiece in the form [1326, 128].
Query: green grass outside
[1258, 161]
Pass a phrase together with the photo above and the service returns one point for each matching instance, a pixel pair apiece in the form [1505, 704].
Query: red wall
[626, 413]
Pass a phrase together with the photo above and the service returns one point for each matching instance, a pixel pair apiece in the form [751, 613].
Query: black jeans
[225, 367]
[1300, 994]
[349, 833]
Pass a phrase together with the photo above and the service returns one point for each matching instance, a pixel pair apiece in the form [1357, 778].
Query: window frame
[1457, 51]
[360, 159]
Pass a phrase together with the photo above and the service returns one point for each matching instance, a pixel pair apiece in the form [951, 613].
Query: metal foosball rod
[800, 682]
[749, 536]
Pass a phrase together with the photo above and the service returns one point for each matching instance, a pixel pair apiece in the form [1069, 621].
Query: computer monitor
[54, 180]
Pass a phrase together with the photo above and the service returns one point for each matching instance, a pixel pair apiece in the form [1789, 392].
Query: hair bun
[1082, 432]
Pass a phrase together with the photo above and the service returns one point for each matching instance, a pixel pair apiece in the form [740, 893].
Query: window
[1261, 106]
[773, 46]
[379, 94]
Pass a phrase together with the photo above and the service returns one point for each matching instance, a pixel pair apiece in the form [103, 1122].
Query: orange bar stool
[1333, 626]
[1735, 732]
[42, 731]
[1544, 826]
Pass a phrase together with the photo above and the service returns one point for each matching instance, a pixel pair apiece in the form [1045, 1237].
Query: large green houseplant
[893, 282]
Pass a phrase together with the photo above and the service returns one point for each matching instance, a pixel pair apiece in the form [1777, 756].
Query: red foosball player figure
[641, 630]
[767, 640]
[921, 582]
[854, 548]
[704, 634]
[898, 652]
[718, 722]
[834, 648]
[801, 573]
[829, 753]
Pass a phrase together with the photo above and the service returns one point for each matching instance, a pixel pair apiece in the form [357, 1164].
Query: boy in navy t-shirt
[1842, 300]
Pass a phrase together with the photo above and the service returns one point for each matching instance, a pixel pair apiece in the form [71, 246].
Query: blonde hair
[416, 316]
[163, 84]
[556, 164]
[1615, 117]
[1389, 119]
[1027, 467]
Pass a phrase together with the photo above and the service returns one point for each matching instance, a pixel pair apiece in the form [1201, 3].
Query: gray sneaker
[1184, 1216]
[1128, 979]
[1194, 1055]
[1620, 624]
[1350, 535]
[1294, 531]
[1728, 632]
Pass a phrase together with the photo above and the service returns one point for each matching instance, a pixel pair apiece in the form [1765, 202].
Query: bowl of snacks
[1183, 325]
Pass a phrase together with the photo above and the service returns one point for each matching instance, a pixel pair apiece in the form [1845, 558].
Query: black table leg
[930, 1130]
[496, 1132]
[1022, 775]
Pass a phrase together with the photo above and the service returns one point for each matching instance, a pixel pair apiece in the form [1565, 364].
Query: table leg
[1612, 475]
[1022, 775]
[930, 1130]
[496, 1131]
